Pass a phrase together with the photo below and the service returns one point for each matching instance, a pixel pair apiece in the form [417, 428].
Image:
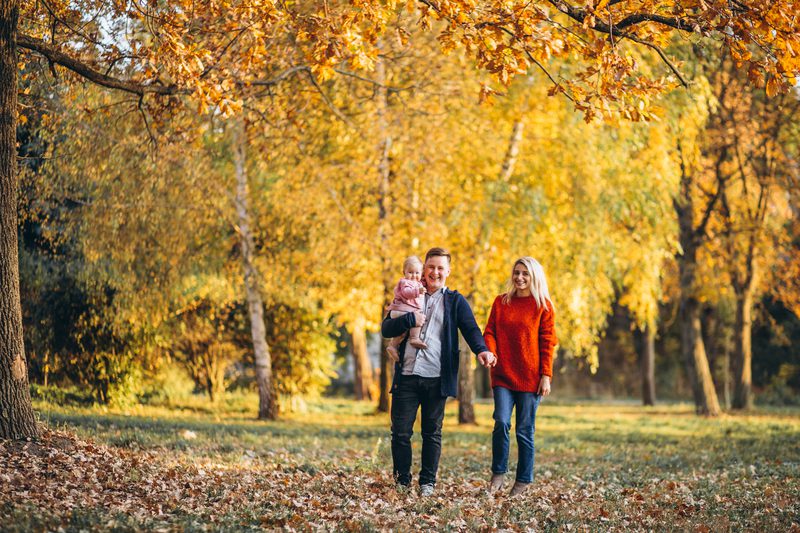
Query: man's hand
[544, 385]
[419, 319]
[487, 359]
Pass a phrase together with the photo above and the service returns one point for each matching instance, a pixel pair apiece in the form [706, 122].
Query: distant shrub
[62, 395]
[302, 349]
[780, 390]
[206, 340]
[115, 378]
[167, 385]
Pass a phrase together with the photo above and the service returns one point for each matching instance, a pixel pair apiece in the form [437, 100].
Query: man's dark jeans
[411, 393]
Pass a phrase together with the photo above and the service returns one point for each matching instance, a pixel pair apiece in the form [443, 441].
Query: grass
[598, 467]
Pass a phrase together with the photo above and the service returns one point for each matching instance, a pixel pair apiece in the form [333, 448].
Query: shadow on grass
[167, 426]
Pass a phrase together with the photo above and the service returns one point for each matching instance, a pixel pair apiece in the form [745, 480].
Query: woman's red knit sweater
[523, 337]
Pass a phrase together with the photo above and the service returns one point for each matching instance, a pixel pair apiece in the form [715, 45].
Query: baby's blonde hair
[411, 260]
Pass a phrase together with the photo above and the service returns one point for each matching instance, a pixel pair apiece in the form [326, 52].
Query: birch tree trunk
[267, 398]
[17, 420]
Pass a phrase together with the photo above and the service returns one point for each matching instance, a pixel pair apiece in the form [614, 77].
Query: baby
[409, 296]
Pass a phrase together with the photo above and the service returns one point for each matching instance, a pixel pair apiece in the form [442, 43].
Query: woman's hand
[544, 386]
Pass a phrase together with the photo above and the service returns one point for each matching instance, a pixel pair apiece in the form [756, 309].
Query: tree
[646, 222]
[648, 365]
[267, 404]
[17, 419]
[692, 234]
[731, 144]
[752, 138]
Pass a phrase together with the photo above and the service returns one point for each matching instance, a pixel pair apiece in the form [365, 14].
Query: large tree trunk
[16, 413]
[744, 284]
[648, 365]
[267, 397]
[362, 379]
[384, 227]
[742, 352]
[694, 354]
[466, 384]
[715, 342]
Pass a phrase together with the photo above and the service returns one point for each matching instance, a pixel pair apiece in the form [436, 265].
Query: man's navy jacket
[457, 316]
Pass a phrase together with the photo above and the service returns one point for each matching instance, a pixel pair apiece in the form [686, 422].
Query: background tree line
[249, 218]
[129, 242]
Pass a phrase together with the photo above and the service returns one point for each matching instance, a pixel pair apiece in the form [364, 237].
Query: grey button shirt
[427, 362]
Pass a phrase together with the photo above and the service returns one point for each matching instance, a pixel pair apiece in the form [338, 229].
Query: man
[426, 377]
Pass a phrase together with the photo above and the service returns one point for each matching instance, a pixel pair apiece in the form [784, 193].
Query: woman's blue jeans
[526, 403]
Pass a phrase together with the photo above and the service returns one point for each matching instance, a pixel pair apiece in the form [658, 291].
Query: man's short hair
[437, 252]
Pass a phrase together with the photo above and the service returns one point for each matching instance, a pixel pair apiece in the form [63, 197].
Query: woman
[521, 333]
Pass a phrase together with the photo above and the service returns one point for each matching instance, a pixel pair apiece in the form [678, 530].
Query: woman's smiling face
[522, 279]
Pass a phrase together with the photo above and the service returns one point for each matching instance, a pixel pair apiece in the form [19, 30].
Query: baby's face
[414, 272]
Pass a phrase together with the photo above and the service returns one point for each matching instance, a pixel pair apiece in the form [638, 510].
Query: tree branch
[277, 79]
[335, 110]
[661, 54]
[90, 73]
[373, 82]
[580, 15]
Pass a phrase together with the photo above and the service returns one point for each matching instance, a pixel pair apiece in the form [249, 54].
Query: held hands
[544, 385]
[487, 359]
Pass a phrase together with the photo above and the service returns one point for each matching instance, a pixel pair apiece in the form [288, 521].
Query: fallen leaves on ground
[61, 477]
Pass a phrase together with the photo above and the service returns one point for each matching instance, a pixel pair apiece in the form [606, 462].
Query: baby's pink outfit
[409, 296]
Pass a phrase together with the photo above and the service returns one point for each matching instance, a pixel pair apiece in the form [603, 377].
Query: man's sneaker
[426, 490]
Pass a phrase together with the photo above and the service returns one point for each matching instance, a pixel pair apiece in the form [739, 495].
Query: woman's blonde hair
[412, 260]
[539, 289]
